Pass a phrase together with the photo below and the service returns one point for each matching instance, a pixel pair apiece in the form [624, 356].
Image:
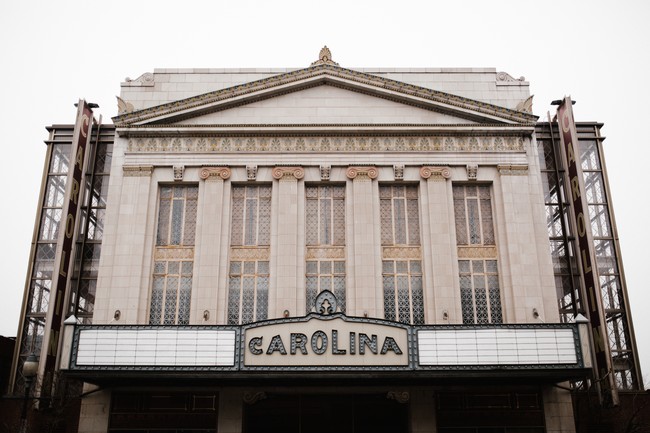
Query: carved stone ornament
[325, 303]
[123, 106]
[398, 172]
[311, 144]
[288, 173]
[472, 171]
[513, 169]
[362, 172]
[526, 105]
[251, 172]
[254, 397]
[435, 173]
[214, 173]
[146, 80]
[324, 58]
[504, 76]
[325, 172]
[179, 170]
[137, 170]
[399, 396]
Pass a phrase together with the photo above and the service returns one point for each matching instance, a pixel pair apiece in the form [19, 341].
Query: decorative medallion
[326, 303]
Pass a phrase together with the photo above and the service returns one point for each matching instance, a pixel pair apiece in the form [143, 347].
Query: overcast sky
[54, 52]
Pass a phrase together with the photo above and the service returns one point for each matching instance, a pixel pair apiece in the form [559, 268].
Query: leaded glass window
[479, 279]
[248, 279]
[172, 274]
[325, 239]
[401, 253]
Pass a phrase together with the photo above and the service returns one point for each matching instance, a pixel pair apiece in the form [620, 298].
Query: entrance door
[325, 414]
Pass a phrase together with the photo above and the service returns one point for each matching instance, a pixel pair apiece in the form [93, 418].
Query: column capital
[215, 173]
[362, 173]
[288, 173]
[435, 173]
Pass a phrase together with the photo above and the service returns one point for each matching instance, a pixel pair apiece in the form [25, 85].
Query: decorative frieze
[513, 169]
[476, 252]
[362, 173]
[325, 253]
[394, 253]
[310, 144]
[174, 253]
[288, 173]
[215, 173]
[435, 173]
[137, 170]
[472, 171]
[256, 253]
[178, 172]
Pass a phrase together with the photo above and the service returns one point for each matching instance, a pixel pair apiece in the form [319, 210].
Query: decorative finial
[324, 58]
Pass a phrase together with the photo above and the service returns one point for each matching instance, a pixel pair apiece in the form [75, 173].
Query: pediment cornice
[328, 74]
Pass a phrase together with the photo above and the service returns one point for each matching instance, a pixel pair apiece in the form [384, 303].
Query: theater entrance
[308, 413]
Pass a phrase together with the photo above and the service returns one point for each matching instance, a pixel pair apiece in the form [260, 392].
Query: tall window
[401, 253]
[248, 283]
[325, 238]
[479, 280]
[174, 256]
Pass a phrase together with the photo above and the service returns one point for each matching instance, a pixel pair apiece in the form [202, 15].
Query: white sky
[55, 52]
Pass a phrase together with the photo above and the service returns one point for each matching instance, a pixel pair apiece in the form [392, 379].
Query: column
[364, 252]
[285, 245]
[209, 247]
[440, 260]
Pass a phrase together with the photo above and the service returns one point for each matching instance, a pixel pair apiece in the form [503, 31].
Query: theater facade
[327, 249]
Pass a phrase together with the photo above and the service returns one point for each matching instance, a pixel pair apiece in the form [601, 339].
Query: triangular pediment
[324, 95]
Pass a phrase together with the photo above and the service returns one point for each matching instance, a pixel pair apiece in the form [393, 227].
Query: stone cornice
[319, 74]
[317, 143]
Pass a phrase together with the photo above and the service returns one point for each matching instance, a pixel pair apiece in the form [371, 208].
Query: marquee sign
[325, 341]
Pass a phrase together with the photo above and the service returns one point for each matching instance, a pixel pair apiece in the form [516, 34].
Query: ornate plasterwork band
[401, 253]
[513, 169]
[435, 173]
[477, 252]
[137, 170]
[309, 144]
[362, 173]
[244, 253]
[174, 253]
[215, 173]
[288, 173]
[325, 253]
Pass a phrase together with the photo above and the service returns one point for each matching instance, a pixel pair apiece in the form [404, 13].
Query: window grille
[401, 253]
[325, 239]
[172, 275]
[479, 280]
[248, 281]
